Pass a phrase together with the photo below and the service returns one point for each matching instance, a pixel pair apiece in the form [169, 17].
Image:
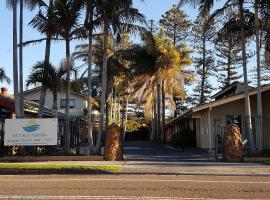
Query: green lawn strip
[24, 166]
[267, 162]
[263, 160]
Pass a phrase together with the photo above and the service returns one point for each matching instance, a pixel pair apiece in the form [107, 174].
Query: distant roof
[29, 106]
[229, 99]
[228, 88]
[39, 88]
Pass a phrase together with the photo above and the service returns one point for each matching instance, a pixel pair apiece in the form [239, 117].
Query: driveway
[149, 152]
[143, 157]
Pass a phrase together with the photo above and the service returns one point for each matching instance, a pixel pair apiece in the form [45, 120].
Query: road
[149, 172]
[131, 186]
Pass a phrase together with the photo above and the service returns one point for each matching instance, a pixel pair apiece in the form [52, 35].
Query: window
[63, 103]
[233, 119]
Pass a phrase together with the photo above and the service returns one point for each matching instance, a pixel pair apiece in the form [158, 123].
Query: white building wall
[80, 102]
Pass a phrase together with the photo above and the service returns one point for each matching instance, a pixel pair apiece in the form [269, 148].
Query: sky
[152, 9]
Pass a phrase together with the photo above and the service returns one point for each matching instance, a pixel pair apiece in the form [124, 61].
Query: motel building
[209, 120]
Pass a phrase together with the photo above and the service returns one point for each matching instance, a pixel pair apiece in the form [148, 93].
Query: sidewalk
[196, 168]
[147, 158]
[177, 168]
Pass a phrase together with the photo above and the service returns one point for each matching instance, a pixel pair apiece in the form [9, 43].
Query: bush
[185, 138]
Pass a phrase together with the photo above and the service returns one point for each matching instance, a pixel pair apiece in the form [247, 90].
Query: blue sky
[152, 9]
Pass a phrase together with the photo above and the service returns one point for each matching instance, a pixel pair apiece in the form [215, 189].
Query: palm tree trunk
[15, 60]
[54, 106]
[89, 107]
[104, 83]
[68, 63]
[46, 61]
[111, 107]
[114, 106]
[126, 120]
[107, 115]
[259, 92]
[202, 98]
[118, 112]
[153, 124]
[158, 115]
[21, 60]
[244, 58]
[155, 119]
[163, 111]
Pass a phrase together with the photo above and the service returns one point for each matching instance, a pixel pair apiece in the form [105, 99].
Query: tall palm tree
[30, 4]
[68, 16]
[44, 22]
[244, 58]
[118, 16]
[204, 7]
[13, 5]
[259, 91]
[156, 63]
[90, 26]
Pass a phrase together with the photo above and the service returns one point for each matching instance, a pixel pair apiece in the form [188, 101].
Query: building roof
[39, 88]
[219, 102]
[236, 86]
[29, 106]
[228, 99]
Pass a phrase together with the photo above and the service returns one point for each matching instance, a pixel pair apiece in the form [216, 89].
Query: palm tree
[157, 63]
[68, 16]
[204, 7]
[31, 4]
[259, 92]
[121, 17]
[3, 76]
[43, 75]
[90, 20]
[44, 22]
[13, 5]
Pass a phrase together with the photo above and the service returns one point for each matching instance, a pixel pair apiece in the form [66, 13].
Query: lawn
[26, 166]
[267, 162]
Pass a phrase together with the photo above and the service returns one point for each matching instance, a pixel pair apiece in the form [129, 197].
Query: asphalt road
[149, 172]
[133, 187]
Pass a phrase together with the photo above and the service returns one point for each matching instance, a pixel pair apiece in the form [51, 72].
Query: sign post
[30, 132]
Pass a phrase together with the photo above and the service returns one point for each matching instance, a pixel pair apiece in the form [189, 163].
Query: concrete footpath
[179, 168]
[147, 158]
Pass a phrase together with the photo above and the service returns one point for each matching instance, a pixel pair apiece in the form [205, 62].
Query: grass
[263, 160]
[23, 166]
[266, 162]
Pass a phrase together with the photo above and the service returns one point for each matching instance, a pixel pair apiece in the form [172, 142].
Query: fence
[257, 127]
[77, 127]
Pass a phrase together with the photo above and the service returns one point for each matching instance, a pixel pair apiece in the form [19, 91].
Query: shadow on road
[147, 151]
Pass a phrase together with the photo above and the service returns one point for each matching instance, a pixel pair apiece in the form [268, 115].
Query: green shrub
[185, 138]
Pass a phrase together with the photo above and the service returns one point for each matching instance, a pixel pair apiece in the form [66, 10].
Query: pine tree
[228, 63]
[204, 59]
[176, 24]
[228, 51]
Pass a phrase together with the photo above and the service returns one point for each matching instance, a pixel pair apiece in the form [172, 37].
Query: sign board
[30, 132]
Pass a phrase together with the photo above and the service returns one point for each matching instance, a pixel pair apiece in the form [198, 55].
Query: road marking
[134, 180]
[105, 198]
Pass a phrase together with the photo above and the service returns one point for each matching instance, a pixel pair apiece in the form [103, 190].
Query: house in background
[7, 107]
[78, 101]
[228, 106]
